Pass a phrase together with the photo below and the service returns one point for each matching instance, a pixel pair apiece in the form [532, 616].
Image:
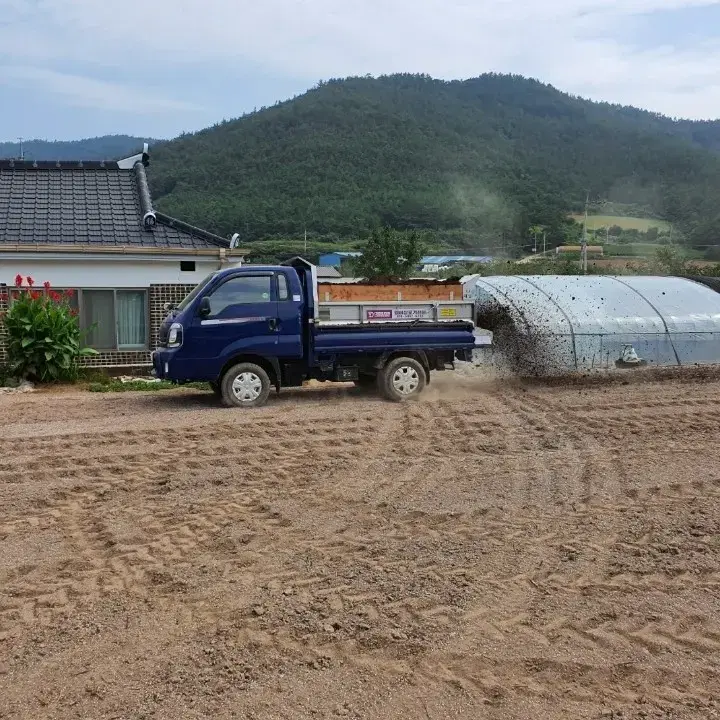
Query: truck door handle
[272, 323]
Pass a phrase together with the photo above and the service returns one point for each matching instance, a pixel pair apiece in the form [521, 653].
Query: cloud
[593, 48]
[87, 92]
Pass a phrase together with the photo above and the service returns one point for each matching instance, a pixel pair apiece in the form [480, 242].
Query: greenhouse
[549, 323]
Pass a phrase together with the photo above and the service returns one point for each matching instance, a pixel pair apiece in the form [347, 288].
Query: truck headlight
[175, 336]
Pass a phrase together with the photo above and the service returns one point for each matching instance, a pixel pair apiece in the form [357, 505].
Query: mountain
[476, 162]
[108, 147]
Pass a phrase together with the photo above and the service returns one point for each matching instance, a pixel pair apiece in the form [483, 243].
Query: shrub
[389, 255]
[44, 338]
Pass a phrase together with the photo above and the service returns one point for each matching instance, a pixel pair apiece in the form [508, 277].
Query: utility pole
[544, 235]
[22, 152]
[583, 252]
[305, 219]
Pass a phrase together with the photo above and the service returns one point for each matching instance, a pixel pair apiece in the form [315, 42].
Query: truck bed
[399, 326]
[366, 337]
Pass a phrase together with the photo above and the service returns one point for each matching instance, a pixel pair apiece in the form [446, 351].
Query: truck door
[290, 330]
[243, 318]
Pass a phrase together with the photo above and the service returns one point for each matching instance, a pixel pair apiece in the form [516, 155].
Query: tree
[652, 234]
[389, 255]
[670, 261]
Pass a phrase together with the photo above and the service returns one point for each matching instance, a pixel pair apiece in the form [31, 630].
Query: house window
[113, 319]
[97, 317]
[187, 266]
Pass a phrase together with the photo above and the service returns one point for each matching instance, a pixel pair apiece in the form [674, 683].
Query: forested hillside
[108, 147]
[475, 162]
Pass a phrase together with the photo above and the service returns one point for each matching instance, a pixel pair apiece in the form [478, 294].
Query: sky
[72, 69]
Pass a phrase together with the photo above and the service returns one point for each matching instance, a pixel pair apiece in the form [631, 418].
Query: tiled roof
[91, 203]
[326, 271]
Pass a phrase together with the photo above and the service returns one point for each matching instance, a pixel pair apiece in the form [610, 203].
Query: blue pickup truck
[249, 328]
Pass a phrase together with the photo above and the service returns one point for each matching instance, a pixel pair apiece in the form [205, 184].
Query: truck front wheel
[401, 379]
[245, 385]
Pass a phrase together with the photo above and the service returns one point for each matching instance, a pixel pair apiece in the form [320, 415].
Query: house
[91, 227]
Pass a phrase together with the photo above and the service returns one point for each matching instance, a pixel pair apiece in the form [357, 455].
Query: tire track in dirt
[485, 545]
[165, 536]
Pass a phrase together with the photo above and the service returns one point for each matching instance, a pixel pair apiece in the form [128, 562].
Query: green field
[596, 222]
[641, 250]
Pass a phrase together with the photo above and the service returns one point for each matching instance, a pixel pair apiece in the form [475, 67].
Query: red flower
[30, 281]
[34, 294]
[69, 293]
[46, 284]
[55, 296]
[73, 312]
[18, 280]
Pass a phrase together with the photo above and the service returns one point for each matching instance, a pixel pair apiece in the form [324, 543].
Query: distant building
[336, 259]
[429, 263]
[435, 263]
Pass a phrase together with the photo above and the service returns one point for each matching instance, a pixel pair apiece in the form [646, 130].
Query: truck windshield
[195, 291]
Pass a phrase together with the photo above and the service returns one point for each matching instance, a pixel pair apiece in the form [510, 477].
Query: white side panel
[77, 273]
[377, 311]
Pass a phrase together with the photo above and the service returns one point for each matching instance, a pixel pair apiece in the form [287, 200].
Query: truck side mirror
[204, 307]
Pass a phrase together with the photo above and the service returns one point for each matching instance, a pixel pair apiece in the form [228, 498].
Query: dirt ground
[495, 550]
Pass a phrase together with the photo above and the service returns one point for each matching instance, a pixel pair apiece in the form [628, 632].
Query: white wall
[106, 272]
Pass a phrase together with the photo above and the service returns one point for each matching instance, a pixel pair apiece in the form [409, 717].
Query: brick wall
[3, 332]
[116, 358]
[158, 295]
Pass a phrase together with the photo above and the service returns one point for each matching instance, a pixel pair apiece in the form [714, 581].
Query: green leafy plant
[44, 341]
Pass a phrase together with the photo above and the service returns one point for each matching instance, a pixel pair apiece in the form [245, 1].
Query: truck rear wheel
[245, 385]
[401, 379]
